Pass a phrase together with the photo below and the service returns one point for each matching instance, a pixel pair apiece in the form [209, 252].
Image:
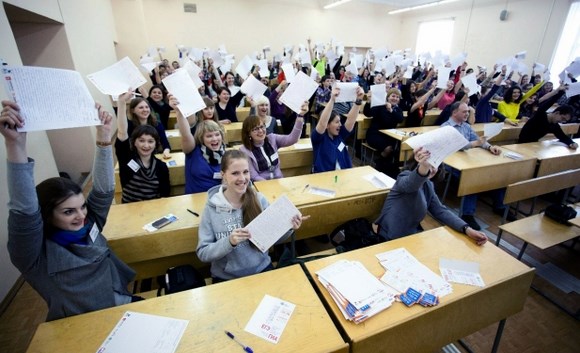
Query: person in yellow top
[512, 99]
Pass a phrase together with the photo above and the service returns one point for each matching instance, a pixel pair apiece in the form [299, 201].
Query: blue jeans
[470, 201]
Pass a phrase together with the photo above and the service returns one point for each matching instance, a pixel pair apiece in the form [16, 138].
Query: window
[435, 35]
[569, 44]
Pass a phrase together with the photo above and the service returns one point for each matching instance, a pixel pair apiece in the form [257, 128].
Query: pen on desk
[305, 187]
[246, 348]
[193, 213]
[336, 178]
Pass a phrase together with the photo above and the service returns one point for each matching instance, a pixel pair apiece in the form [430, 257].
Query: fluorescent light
[434, 3]
[336, 3]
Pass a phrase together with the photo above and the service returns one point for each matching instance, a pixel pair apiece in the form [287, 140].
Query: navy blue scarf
[67, 237]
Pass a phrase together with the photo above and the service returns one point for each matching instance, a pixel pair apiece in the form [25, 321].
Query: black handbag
[560, 213]
[180, 278]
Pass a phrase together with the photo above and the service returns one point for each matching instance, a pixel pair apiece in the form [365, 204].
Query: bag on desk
[180, 278]
[354, 234]
[560, 213]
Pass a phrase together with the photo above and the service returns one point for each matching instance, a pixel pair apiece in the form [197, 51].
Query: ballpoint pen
[246, 348]
[305, 187]
[193, 213]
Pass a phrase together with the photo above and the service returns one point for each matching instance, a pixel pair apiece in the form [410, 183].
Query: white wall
[90, 34]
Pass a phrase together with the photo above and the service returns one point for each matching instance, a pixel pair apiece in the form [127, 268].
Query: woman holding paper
[262, 148]
[157, 100]
[203, 152]
[143, 176]
[411, 197]
[54, 233]
[227, 104]
[385, 116]
[261, 108]
[207, 113]
[230, 207]
[329, 136]
[512, 99]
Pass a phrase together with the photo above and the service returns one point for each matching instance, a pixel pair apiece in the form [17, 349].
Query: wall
[90, 35]
[532, 25]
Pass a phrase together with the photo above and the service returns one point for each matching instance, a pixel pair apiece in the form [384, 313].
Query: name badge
[341, 146]
[133, 165]
[278, 122]
[274, 157]
[94, 233]
[217, 175]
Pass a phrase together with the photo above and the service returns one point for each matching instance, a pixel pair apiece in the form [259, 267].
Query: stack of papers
[358, 294]
[404, 271]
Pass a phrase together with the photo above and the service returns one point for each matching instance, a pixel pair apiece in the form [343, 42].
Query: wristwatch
[464, 229]
[358, 102]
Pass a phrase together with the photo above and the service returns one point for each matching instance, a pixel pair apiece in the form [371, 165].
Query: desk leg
[521, 254]
[461, 206]
[498, 336]
[498, 237]
[446, 187]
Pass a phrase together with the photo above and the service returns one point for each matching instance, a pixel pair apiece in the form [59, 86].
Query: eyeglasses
[258, 128]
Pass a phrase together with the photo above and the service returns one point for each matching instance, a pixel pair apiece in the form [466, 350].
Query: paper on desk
[302, 146]
[440, 142]
[181, 86]
[253, 88]
[118, 78]
[144, 333]
[378, 95]
[464, 272]
[270, 318]
[44, 96]
[380, 180]
[491, 130]
[272, 223]
[298, 92]
[149, 226]
[322, 192]
[347, 92]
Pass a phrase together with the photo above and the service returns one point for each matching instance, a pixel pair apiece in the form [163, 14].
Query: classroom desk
[480, 170]
[210, 310]
[552, 156]
[541, 231]
[150, 254]
[355, 197]
[241, 112]
[295, 160]
[466, 310]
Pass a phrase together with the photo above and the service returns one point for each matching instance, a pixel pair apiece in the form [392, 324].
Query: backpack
[354, 234]
[560, 213]
[180, 278]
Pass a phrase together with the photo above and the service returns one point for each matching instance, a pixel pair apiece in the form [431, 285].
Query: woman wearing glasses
[262, 148]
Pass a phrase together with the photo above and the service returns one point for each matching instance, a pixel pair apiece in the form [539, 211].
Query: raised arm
[187, 140]
[15, 141]
[122, 124]
[327, 111]
[436, 99]
[423, 99]
[354, 111]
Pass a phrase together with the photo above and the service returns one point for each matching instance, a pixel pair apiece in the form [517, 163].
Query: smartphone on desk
[161, 222]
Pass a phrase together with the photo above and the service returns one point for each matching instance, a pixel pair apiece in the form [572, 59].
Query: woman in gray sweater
[54, 234]
[412, 196]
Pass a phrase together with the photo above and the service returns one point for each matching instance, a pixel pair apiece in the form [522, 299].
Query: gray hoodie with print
[218, 220]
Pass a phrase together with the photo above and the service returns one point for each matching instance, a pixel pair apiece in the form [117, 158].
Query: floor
[541, 327]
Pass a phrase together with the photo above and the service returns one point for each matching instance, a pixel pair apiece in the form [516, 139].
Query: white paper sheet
[464, 272]
[380, 180]
[378, 95]
[347, 92]
[289, 73]
[470, 82]
[270, 318]
[51, 99]
[301, 89]
[443, 76]
[574, 68]
[245, 66]
[491, 130]
[440, 142]
[573, 89]
[272, 223]
[144, 333]
[118, 78]
[253, 88]
[180, 85]
[193, 70]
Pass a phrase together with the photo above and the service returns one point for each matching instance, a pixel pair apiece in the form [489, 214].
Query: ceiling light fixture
[335, 3]
[411, 8]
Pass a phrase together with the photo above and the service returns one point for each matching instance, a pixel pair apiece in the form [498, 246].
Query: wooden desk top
[466, 310]
[476, 158]
[541, 231]
[349, 183]
[552, 155]
[210, 310]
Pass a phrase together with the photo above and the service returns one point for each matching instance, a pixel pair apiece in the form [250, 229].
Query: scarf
[146, 173]
[263, 156]
[213, 157]
[67, 237]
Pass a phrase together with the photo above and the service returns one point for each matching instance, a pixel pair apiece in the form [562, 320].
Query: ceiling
[401, 3]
